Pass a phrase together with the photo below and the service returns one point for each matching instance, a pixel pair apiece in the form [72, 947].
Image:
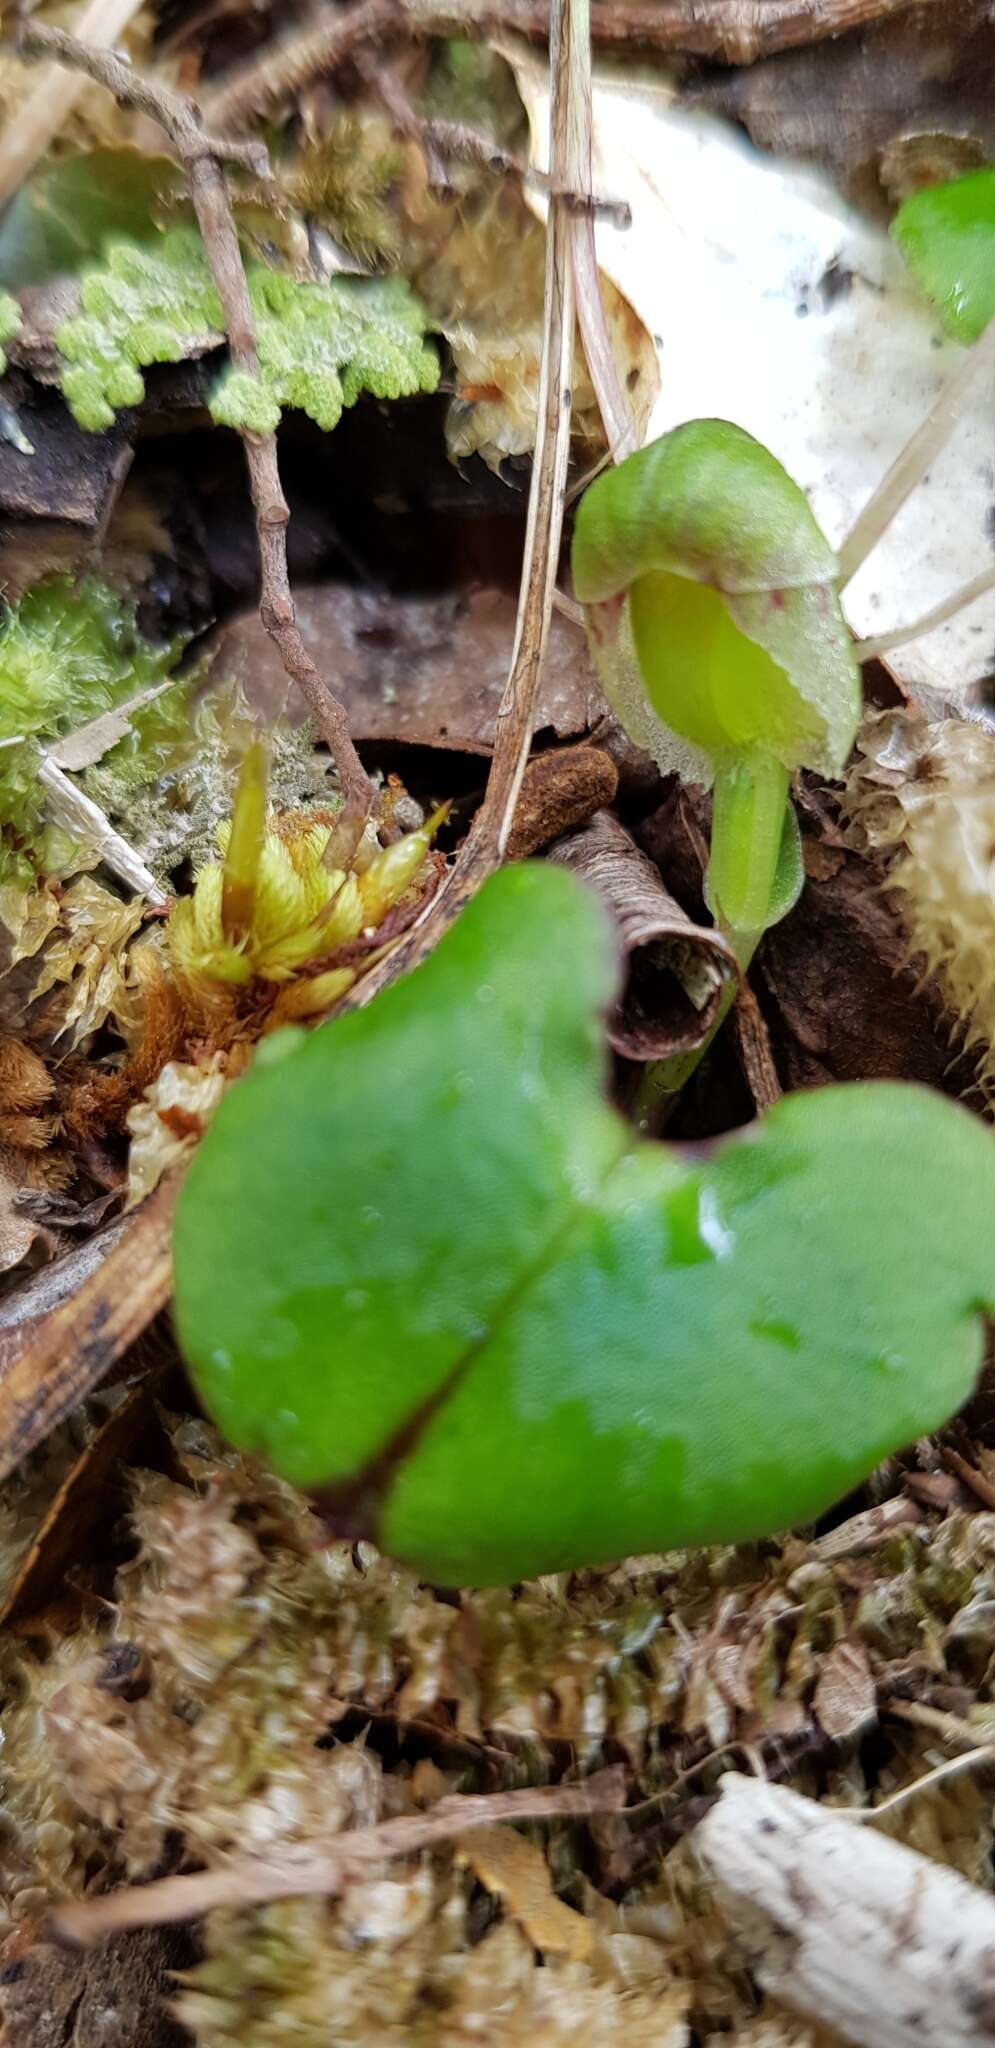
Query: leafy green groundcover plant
[319, 345]
[427, 1272]
[947, 236]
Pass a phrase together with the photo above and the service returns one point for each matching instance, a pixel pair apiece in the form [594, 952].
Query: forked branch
[202, 156]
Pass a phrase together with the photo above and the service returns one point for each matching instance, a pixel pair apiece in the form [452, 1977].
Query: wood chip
[90, 1495]
[848, 1927]
[72, 1348]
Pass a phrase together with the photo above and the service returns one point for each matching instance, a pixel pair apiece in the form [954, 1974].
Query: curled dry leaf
[676, 972]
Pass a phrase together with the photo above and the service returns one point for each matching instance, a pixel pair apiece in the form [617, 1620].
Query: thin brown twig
[46, 110]
[284, 68]
[202, 155]
[489, 834]
[302, 1870]
[978, 1482]
[732, 31]
[457, 142]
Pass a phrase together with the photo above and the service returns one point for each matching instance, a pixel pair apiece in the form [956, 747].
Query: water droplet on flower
[356, 1298]
[718, 1239]
[485, 993]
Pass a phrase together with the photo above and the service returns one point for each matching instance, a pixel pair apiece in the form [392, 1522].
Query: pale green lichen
[319, 345]
[10, 321]
[169, 784]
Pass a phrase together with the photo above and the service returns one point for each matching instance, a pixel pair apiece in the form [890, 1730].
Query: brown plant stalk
[303, 1869]
[202, 156]
[732, 31]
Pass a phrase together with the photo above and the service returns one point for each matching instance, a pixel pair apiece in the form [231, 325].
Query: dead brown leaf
[516, 1871]
[422, 671]
[927, 70]
[676, 971]
[845, 1698]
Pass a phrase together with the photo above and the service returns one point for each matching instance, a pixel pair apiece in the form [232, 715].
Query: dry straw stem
[84, 820]
[617, 417]
[973, 376]
[734, 31]
[899, 636]
[302, 1870]
[202, 156]
[492, 828]
[47, 109]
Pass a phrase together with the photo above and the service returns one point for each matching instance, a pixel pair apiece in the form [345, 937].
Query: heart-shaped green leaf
[947, 237]
[425, 1270]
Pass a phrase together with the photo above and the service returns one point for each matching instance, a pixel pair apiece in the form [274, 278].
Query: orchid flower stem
[750, 806]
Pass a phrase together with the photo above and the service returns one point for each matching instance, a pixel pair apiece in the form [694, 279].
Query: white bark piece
[848, 1927]
[83, 819]
[775, 304]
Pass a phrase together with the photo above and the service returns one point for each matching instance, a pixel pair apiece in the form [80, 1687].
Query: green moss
[67, 653]
[10, 321]
[343, 182]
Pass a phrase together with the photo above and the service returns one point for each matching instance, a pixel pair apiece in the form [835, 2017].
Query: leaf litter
[192, 1672]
